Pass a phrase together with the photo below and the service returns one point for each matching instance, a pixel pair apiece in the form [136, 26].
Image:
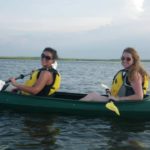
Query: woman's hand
[108, 91]
[15, 90]
[13, 82]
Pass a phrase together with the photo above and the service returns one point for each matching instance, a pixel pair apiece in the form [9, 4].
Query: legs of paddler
[94, 96]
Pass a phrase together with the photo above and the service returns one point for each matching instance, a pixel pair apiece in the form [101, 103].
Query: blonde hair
[136, 66]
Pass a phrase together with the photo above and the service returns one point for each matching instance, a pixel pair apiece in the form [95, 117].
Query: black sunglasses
[46, 57]
[125, 58]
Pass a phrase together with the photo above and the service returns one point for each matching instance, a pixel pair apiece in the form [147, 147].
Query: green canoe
[68, 103]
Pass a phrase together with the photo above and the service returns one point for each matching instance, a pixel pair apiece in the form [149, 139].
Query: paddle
[5, 84]
[110, 104]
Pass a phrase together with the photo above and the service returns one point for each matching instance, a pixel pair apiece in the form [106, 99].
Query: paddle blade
[111, 106]
[104, 86]
[2, 83]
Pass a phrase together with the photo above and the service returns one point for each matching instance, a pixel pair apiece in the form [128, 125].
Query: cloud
[113, 25]
[139, 5]
[81, 19]
[135, 8]
[70, 24]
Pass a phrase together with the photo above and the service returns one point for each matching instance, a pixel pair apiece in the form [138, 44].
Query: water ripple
[47, 132]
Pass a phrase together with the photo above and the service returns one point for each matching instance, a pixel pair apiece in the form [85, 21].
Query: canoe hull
[68, 103]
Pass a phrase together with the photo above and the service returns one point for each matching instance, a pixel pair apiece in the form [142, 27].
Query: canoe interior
[78, 96]
[61, 95]
[65, 95]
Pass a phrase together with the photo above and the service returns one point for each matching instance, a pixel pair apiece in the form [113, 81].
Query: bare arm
[44, 78]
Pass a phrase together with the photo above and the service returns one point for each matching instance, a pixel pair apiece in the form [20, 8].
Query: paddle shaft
[8, 81]
[19, 77]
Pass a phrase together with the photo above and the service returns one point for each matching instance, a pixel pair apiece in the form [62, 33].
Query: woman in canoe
[130, 83]
[45, 81]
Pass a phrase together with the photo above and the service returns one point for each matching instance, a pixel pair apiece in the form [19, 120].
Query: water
[20, 131]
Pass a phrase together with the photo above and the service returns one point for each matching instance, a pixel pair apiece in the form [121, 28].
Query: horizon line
[73, 59]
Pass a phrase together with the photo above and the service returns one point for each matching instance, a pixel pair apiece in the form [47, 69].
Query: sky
[95, 29]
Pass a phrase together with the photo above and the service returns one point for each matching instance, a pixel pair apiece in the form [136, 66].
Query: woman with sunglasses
[130, 83]
[45, 81]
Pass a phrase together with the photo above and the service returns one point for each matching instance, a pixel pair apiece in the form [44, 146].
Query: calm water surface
[19, 131]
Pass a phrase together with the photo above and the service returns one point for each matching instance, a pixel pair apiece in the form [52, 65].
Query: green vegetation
[20, 58]
[65, 59]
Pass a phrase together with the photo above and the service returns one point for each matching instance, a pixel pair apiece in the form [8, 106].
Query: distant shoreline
[65, 59]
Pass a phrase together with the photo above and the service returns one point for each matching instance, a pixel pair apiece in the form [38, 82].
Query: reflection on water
[127, 135]
[26, 131]
[41, 131]
[37, 132]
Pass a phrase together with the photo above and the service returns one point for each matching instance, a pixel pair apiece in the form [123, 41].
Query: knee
[93, 95]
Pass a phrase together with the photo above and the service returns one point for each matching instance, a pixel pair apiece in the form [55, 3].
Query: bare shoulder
[137, 77]
[45, 73]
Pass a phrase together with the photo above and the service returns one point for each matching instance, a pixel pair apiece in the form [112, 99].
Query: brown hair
[52, 51]
[136, 66]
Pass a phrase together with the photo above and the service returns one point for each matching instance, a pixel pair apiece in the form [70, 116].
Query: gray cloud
[81, 29]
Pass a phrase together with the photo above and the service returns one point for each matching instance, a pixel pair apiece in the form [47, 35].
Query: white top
[2, 83]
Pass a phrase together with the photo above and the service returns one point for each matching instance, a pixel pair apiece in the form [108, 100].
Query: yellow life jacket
[122, 87]
[48, 89]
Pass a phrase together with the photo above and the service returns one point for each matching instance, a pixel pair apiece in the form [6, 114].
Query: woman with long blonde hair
[130, 83]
